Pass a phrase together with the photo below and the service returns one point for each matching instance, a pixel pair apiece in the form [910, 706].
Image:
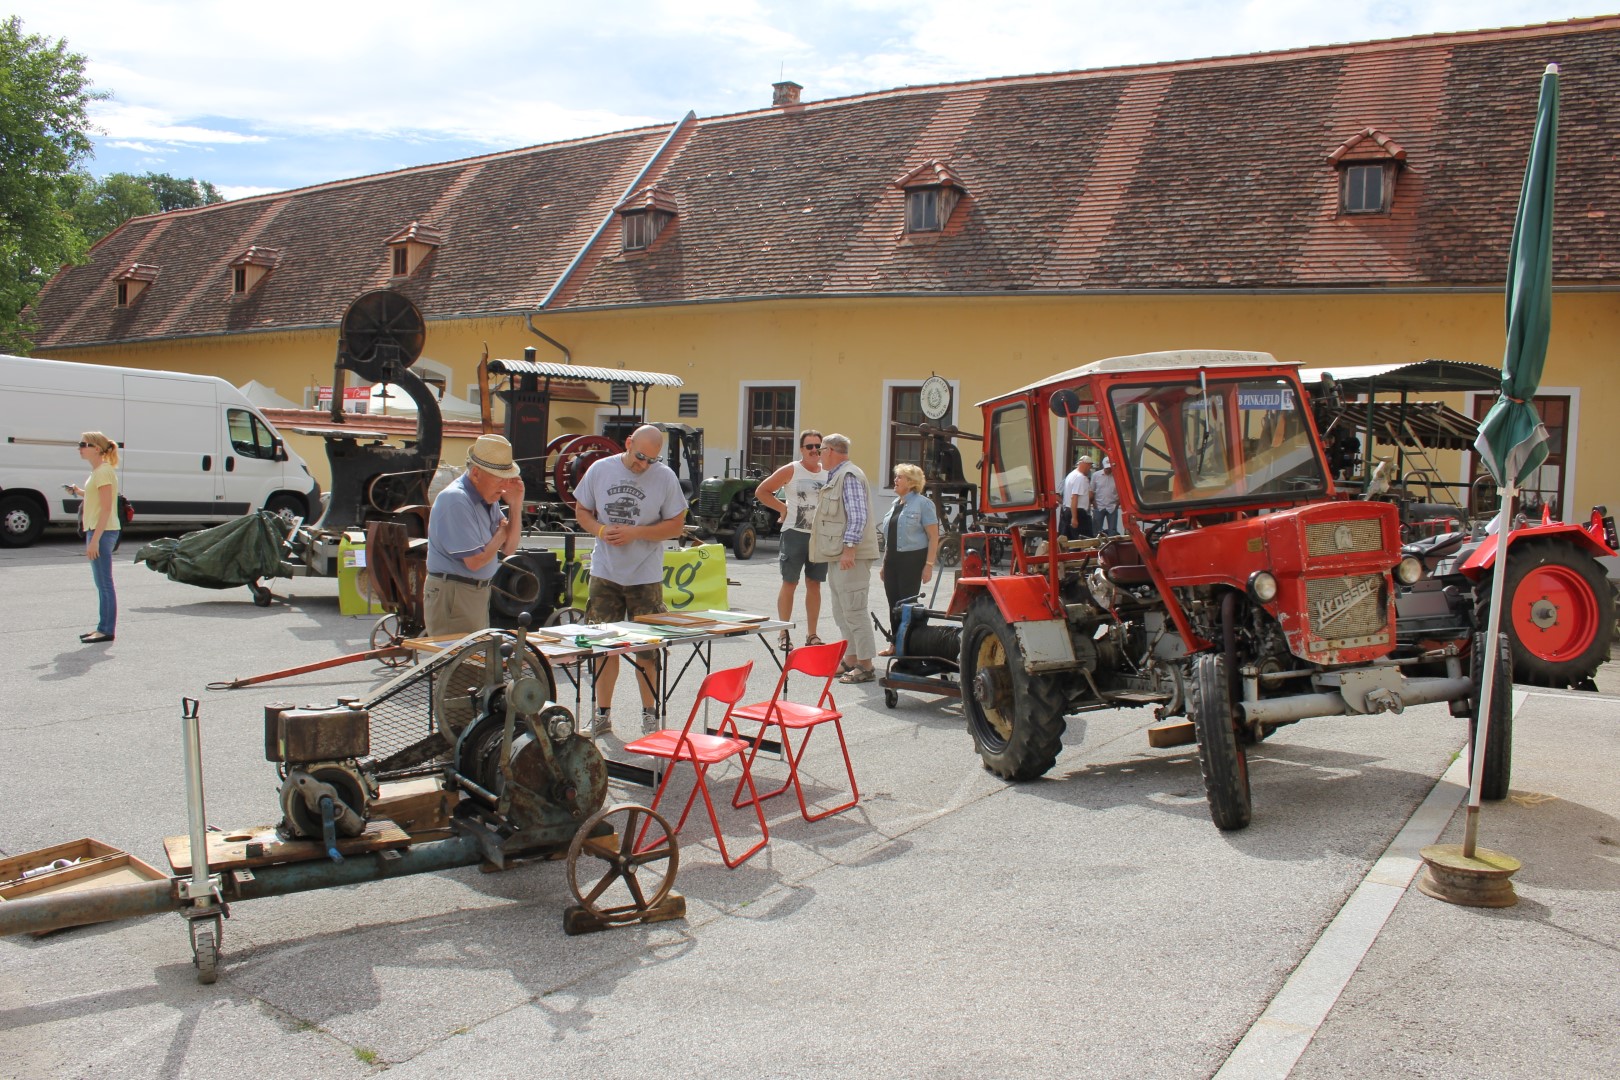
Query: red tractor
[1244, 593]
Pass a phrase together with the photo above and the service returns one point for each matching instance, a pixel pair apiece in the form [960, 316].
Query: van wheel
[288, 506]
[22, 520]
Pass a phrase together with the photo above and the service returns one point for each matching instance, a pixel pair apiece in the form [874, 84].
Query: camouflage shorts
[611, 602]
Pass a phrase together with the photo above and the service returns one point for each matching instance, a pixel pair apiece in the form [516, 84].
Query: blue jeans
[1106, 520]
[101, 570]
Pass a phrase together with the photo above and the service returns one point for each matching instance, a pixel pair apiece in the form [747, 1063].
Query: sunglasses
[812, 446]
[639, 456]
[83, 445]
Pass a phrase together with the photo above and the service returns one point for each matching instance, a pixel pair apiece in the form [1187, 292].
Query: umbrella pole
[1488, 688]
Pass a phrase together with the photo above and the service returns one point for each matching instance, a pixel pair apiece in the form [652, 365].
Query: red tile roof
[1207, 174]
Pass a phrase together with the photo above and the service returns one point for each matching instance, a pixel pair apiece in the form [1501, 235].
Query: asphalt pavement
[1092, 923]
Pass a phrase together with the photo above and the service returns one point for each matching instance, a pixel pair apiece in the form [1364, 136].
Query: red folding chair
[814, 662]
[704, 750]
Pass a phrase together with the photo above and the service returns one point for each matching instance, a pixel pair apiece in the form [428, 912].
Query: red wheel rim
[1555, 615]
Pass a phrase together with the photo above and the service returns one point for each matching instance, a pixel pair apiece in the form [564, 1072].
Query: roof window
[932, 191]
[644, 215]
[252, 267]
[411, 246]
[132, 281]
[1368, 163]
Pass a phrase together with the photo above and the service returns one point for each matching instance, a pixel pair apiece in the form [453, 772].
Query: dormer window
[1368, 163]
[410, 247]
[645, 214]
[932, 192]
[252, 267]
[131, 282]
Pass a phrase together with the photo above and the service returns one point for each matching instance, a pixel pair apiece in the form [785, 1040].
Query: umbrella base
[1482, 881]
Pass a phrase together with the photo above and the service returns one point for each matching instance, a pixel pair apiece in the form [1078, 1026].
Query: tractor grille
[709, 504]
[1347, 607]
[1343, 537]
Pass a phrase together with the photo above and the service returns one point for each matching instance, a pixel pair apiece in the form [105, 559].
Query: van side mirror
[278, 451]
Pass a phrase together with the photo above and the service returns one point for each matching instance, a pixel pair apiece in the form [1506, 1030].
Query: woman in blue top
[910, 532]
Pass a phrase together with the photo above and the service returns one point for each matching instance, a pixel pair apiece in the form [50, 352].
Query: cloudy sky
[264, 96]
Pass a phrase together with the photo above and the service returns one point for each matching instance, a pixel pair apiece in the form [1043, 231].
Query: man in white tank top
[800, 480]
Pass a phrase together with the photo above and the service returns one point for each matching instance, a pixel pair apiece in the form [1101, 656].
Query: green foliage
[44, 133]
[100, 206]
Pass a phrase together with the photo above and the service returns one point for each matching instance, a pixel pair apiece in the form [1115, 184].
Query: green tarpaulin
[236, 553]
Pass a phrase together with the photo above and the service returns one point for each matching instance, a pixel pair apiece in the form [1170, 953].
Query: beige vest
[827, 535]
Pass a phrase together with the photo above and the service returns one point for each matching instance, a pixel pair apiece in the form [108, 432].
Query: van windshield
[249, 435]
[1229, 440]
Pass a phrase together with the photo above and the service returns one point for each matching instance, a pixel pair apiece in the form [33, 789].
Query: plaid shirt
[855, 508]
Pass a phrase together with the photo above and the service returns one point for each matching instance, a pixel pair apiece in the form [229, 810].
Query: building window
[123, 294]
[1364, 189]
[401, 261]
[642, 227]
[905, 447]
[927, 209]
[688, 406]
[1545, 487]
[239, 279]
[772, 431]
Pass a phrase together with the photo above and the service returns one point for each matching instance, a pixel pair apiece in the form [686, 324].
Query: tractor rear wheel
[1559, 614]
[1221, 755]
[1015, 718]
[1499, 729]
[743, 541]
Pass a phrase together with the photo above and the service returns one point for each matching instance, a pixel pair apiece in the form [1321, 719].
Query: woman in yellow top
[101, 526]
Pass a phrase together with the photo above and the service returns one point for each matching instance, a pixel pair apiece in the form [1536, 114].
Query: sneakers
[650, 722]
[602, 723]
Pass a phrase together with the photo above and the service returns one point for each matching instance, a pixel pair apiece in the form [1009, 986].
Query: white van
[192, 449]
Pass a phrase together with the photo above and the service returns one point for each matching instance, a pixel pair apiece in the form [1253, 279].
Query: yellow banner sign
[694, 579]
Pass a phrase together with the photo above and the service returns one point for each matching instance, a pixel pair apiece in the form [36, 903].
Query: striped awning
[580, 373]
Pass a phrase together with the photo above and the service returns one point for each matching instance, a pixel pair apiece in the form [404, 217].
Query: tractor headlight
[1408, 570]
[1262, 587]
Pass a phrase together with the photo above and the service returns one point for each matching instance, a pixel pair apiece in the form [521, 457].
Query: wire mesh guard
[416, 716]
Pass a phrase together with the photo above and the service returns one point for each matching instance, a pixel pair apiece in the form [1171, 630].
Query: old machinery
[1246, 593]
[324, 794]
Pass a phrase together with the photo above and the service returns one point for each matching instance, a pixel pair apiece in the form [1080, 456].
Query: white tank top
[801, 496]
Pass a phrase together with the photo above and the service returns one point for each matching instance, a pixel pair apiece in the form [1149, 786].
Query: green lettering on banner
[694, 578]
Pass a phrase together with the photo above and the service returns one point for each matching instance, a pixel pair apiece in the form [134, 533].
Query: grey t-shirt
[617, 496]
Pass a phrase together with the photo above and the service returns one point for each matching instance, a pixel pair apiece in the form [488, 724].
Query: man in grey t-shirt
[631, 503]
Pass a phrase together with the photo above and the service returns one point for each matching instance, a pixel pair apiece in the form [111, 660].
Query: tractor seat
[1433, 547]
[1122, 564]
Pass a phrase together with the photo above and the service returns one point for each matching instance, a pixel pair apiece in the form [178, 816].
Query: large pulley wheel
[950, 548]
[477, 667]
[1499, 727]
[1558, 615]
[1016, 719]
[1221, 755]
[381, 330]
[575, 456]
[637, 857]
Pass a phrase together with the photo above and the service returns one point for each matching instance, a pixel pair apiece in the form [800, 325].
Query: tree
[44, 133]
[100, 206]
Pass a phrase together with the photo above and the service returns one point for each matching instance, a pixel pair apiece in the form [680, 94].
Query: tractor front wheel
[1221, 755]
[743, 541]
[1015, 718]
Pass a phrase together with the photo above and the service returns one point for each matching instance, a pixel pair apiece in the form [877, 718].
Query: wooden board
[229, 850]
[74, 851]
[675, 618]
[115, 868]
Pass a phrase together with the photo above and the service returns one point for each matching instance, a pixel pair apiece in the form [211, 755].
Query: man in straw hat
[476, 521]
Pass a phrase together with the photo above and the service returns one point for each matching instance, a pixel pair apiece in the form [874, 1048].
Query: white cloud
[126, 122]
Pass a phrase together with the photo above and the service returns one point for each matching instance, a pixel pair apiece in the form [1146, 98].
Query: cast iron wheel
[287, 506]
[950, 548]
[1016, 719]
[1559, 612]
[1499, 732]
[565, 616]
[261, 594]
[22, 520]
[620, 895]
[743, 541]
[1221, 756]
[388, 633]
[380, 329]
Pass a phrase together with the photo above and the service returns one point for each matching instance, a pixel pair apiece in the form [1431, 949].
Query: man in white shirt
[801, 482]
[1077, 500]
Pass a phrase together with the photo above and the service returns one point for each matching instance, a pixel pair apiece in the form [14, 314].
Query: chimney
[784, 94]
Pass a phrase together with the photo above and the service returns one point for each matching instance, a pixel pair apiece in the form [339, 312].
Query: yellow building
[809, 264]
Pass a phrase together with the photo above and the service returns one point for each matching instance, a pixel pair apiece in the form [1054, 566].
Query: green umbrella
[1512, 439]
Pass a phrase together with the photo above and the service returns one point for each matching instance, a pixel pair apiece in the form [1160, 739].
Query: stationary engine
[324, 792]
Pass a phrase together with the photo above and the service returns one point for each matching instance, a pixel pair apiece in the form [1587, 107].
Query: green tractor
[728, 511]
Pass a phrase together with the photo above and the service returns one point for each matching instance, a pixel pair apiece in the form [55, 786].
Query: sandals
[813, 640]
[784, 641]
[859, 675]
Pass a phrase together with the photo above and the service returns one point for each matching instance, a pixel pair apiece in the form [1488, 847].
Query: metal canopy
[1424, 376]
[580, 373]
[1430, 425]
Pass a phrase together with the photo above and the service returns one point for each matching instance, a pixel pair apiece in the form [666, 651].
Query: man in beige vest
[844, 537]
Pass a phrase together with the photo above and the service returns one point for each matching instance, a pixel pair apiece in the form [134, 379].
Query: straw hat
[493, 454]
